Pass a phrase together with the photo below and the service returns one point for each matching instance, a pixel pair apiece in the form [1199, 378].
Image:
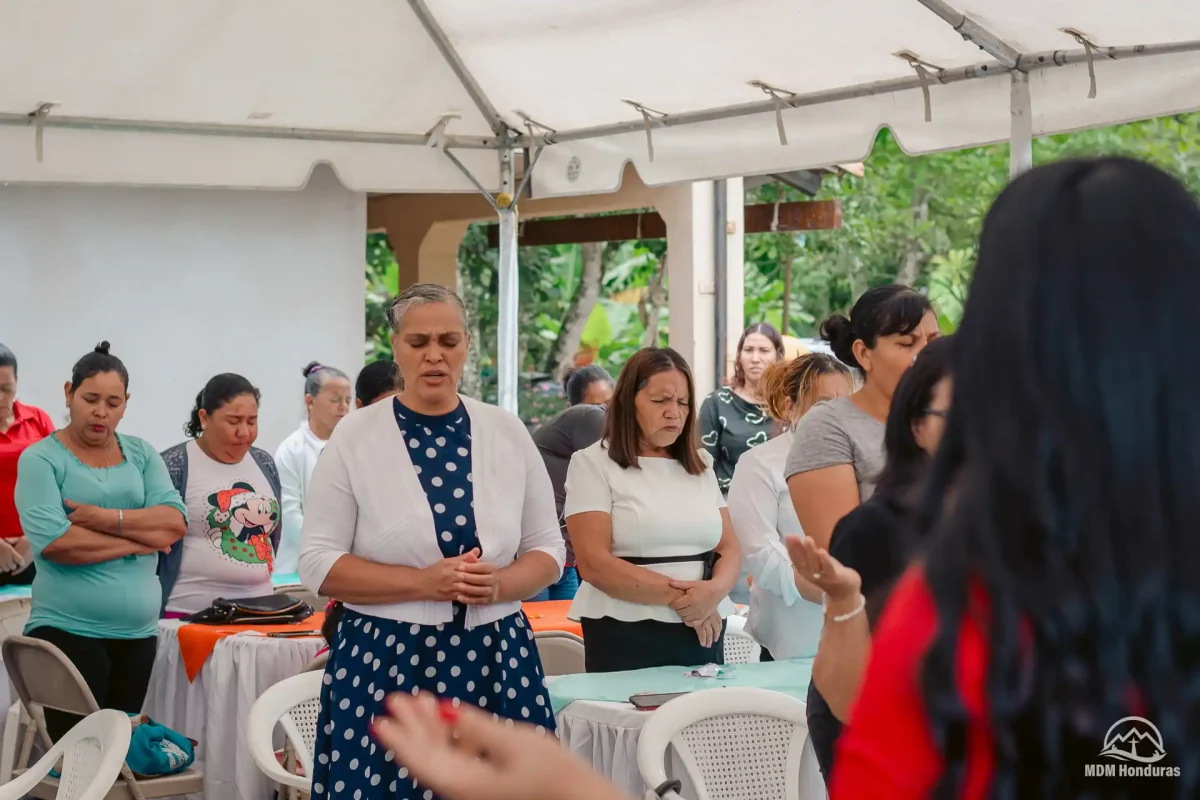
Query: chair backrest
[92, 753]
[44, 677]
[734, 743]
[740, 647]
[294, 704]
[14, 613]
[561, 652]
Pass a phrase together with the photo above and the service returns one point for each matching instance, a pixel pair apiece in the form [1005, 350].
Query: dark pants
[116, 670]
[23, 578]
[611, 645]
[565, 589]
[823, 730]
[765, 655]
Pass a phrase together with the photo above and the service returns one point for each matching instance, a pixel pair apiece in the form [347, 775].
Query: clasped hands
[697, 607]
[463, 579]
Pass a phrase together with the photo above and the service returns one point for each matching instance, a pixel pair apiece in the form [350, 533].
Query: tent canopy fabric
[236, 94]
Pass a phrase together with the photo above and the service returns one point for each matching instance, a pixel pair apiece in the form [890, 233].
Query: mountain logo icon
[1134, 739]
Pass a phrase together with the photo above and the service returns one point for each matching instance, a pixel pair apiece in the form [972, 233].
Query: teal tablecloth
[788, 677]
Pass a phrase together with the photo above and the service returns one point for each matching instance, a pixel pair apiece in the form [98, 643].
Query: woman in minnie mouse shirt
[231, 490]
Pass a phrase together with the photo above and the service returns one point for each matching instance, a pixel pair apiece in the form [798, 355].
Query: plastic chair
[294, 704]
[14, 613]
[44, 678]
[561, 652]
[734, 744]
[740, 647]
[92, 754]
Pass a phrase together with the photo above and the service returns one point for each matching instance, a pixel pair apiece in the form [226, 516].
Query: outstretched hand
[815, 565]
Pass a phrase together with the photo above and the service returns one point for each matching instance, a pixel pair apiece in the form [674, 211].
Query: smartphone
[648, 701]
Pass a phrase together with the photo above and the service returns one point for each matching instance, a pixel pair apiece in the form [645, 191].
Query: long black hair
[219, 390]
[907, 462]
[1066, 485]
[881, 311]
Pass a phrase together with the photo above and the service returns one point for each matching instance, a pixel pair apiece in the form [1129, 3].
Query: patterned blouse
[729, 426]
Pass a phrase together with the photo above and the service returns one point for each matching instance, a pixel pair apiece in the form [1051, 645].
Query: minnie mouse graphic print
[232, 512]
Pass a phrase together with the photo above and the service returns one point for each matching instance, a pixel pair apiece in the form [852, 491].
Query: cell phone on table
[648, 701]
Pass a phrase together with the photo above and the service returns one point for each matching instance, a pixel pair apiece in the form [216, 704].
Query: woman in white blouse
[327, 398]
[430, 517]
[653, 542]
[785, 610]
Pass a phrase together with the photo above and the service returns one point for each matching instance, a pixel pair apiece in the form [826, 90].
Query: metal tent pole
[508, 326]
[1021, 117]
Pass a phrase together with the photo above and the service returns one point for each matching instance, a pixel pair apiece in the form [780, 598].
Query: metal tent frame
[507, 141]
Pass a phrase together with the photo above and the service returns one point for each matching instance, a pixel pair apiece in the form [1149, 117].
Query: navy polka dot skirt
[494, 666]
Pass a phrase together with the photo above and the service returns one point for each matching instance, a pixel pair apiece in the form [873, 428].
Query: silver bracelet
[862, 605]
[120, 520]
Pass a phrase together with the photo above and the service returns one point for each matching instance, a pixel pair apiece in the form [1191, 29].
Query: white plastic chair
[14, 613]
[740, 647]
[733, 743]
[92, 754]
[294, 704]
[561, 652]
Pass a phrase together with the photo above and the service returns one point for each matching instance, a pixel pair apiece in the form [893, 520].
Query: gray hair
[315, 375]
[420, 294]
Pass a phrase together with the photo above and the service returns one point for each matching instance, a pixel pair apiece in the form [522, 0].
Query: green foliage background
[921, 214]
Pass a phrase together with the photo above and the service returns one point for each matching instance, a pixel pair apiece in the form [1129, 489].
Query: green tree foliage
[915, 219]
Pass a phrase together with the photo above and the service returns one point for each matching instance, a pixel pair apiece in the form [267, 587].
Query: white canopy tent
[441, 95]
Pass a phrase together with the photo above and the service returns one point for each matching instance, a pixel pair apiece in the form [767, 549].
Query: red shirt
[30, 424]
[887, 750]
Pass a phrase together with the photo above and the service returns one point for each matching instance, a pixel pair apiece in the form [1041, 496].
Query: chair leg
[8, 746]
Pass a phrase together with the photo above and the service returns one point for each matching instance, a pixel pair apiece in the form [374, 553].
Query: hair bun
[838, 331]
[312, 367]
[102, 348]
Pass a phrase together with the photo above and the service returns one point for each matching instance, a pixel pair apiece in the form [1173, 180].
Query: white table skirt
[213, 709]
[606, 735]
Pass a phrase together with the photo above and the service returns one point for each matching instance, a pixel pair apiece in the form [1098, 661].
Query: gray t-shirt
[838, 432]
[560, 438]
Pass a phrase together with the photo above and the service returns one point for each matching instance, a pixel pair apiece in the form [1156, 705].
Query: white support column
[735, 269]
[687, 210]
[1021, 137]
[507, 368]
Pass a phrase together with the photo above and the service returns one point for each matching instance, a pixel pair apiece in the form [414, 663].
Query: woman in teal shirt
[97, 508]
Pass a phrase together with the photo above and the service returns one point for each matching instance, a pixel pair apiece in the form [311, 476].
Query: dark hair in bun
[96, 362]
[882, 311]
[315, 375]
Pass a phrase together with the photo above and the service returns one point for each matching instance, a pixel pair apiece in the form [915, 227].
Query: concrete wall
[184, 284]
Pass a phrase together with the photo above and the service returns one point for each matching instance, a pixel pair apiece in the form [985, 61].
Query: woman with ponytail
[1051, 632]
[232, 493]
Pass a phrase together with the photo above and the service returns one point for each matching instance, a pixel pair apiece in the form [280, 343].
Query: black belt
[709, 560]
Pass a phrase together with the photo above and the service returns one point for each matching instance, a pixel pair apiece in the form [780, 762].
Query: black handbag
[272, 609]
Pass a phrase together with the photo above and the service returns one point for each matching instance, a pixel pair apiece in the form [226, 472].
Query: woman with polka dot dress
[429, 517]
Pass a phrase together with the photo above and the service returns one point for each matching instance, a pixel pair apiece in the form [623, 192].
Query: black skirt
[613, 645]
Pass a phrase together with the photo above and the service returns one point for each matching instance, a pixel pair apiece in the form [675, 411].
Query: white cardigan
[365, 499]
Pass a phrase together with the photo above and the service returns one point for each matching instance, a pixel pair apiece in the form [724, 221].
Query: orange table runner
[196, 642]
[551, 615]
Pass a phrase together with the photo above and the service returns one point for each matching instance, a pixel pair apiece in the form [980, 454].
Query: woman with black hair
[231, 490]
[20, 426]
[327, 399]
[581, 425]
[377, 381]
[98, 507]
[837, 452]
[1053, 628]
[871, 546]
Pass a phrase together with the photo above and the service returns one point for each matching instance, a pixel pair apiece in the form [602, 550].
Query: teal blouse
[116, 599]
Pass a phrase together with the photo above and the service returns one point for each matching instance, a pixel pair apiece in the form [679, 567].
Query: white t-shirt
[232, 512]
[295, 460]
[658, 510]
